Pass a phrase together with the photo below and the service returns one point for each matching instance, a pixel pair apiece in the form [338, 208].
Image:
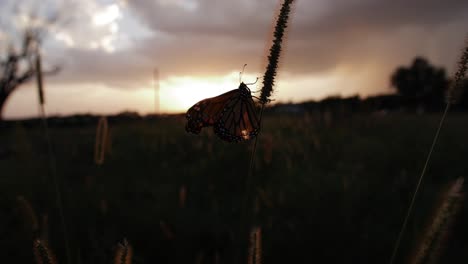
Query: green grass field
[329, 190]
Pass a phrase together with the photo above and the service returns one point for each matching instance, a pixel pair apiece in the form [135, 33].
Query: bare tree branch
[11, 74]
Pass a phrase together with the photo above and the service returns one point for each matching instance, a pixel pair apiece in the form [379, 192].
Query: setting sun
[179, 93]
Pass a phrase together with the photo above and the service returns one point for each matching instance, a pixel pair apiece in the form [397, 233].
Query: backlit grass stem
[42, 253]
[51, 155]
[267, 89]
[431, 245]
[459, 76]
[123, 253]
[255, 246]
[101, 140]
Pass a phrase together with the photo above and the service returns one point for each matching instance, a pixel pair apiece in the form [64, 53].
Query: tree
[421, 84]
[17, 66]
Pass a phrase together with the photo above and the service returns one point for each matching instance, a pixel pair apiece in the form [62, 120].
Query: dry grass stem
[42, 253]
[101, 140]
[123, 253]
[27, 213]
[432, 243]
[255, 246]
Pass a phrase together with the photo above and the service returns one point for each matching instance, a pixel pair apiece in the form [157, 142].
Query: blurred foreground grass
[329, 189]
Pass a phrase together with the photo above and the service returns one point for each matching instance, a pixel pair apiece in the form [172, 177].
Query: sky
[108, 50]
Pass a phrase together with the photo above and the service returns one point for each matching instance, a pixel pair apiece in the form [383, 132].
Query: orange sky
[108, 49]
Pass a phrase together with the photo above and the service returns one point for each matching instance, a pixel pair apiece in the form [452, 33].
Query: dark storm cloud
[232, 18]
[249, 18]
[356, 32]
[379, 15]
[323, 34]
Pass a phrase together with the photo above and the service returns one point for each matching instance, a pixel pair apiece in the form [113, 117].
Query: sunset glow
[107, 50]
[178, 94]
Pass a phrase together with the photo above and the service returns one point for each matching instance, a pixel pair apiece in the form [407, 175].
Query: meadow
[327, 188]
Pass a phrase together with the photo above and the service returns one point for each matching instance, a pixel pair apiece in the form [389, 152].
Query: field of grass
[329, 190]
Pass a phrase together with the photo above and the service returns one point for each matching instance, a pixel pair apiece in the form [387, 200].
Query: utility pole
[156, 91]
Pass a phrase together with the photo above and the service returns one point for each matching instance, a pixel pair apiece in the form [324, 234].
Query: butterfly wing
[238, 120]
[208, 111]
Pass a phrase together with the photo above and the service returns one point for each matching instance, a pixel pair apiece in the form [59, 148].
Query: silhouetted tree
[16, 68]
[17, 62]
[421, 84]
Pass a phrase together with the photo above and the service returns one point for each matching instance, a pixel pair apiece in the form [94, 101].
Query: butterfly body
[232, 115]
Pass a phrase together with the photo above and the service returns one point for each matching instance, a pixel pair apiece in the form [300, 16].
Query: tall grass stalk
[456, 84]
[51, 156]
[267, 89]
[28, 215]
[255, 247]
[432, 244]
[123, 253]
[101, 144]
[42, 253]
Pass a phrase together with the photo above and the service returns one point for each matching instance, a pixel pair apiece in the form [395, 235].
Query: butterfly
[232, 115]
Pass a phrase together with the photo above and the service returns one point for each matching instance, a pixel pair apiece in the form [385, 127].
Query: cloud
[124, 69]
[323, 34]
[203, 38]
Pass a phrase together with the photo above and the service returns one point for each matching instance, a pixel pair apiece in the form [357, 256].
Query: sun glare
[180, 93]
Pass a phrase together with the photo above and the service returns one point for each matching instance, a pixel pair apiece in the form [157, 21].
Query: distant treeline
[341, 106]
[381, 103]
[86, 119]
[419, 88]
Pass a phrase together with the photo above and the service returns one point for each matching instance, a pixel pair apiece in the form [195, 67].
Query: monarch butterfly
[232, 115]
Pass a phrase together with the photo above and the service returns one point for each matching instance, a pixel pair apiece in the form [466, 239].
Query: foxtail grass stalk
[267, 89]
[40, 86]
[255, 246]
[275, 51]
[101, 143]
[51, 156]
[123, 253]
[456, 84]
[42, 253]
[431, 245]
[28, 214]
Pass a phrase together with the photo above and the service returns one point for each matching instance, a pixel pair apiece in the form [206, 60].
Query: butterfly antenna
[253, 82]
[241, 73]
